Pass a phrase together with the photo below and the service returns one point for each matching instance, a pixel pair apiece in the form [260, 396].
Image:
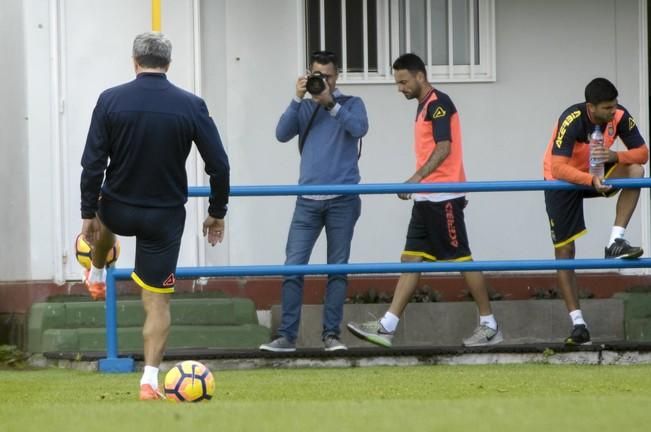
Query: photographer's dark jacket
[146, 128]
[330, 151]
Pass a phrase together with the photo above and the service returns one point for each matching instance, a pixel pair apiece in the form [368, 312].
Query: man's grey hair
[152, 50]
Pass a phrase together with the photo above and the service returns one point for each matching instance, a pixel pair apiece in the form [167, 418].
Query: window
[455, 38]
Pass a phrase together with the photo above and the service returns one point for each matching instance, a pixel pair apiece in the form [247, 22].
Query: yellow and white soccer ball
[189, 381]
[83, 252]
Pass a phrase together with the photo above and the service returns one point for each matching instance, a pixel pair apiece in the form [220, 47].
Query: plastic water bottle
[596, 164]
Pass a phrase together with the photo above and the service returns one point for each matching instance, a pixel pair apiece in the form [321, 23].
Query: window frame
[389, 41]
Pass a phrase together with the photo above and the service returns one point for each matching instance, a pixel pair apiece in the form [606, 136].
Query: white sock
[617, 232]
[390, 322]
[150, 376]
[577, 317]
[97, 274]
[488, 321]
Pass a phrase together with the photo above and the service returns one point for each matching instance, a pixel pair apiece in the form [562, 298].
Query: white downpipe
[197, 88]
[56, 112]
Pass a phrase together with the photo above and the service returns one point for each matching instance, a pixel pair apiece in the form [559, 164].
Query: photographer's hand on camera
[301, 88]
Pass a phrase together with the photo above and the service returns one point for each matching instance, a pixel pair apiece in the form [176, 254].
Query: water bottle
[596, 164]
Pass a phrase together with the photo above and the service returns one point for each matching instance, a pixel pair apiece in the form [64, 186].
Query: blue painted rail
[388, 188]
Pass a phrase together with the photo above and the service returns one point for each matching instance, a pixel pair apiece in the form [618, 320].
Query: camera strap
[301, 140]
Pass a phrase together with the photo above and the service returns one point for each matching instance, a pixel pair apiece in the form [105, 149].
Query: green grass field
[397, 399]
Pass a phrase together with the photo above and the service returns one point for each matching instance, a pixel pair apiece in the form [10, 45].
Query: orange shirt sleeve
[637, 155]
[562, 170]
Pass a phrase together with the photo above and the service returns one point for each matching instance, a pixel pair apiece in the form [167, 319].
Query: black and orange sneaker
[623, 250]
[147, 392]
[579, 336]
[97, 290]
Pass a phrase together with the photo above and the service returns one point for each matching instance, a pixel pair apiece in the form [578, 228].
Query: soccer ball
[189, 381]
[83, 252]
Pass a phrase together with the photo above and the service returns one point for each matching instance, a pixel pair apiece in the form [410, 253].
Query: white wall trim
[57, 134]
[300, 37]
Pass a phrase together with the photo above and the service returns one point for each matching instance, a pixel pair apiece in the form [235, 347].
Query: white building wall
[546, 53]
[94, 59]
[14, 193]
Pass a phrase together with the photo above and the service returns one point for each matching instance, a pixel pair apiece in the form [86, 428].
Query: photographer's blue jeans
[338, 216]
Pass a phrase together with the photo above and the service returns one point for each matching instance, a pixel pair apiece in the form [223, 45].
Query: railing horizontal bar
[435, 267]
[384, 188]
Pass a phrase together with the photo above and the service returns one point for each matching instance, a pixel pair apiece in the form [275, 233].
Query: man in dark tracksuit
[146, 128]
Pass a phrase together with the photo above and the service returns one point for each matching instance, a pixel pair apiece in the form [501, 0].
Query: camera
[316, 83]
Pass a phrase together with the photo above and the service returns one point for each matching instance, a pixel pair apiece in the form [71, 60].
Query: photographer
[329, 126]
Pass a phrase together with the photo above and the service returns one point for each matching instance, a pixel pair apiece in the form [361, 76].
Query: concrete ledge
[446, 324]
[196, 322]
[130, 338]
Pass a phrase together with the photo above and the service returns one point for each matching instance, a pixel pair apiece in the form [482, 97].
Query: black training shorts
[158, 232]
[565, 211]
[437, 231]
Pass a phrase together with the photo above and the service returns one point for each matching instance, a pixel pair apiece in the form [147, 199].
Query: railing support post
[113, 364]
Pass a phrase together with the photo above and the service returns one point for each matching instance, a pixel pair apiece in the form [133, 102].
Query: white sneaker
[482, 336]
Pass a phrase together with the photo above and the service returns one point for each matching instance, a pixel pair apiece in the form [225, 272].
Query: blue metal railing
[388, 188]
[112, 363]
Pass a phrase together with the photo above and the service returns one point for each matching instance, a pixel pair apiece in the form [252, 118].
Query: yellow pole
[155, 15]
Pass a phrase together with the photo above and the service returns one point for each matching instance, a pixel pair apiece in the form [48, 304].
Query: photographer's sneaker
[332, 343]
[580, 336]
[483, 336]
[622, 249]
[372, 331]
[281, 344]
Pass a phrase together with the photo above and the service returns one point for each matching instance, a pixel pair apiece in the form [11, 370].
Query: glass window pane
[312, 28]
[372, 11]
[460, 32]
[402, 33]
[418, 23]
[333, 26]
[439, 32]
[354, 31]
[355, 35]
[448, 19]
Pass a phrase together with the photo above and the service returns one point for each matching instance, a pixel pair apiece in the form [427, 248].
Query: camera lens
[315, 84]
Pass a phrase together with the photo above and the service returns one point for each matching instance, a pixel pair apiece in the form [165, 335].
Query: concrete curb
[593, 355]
